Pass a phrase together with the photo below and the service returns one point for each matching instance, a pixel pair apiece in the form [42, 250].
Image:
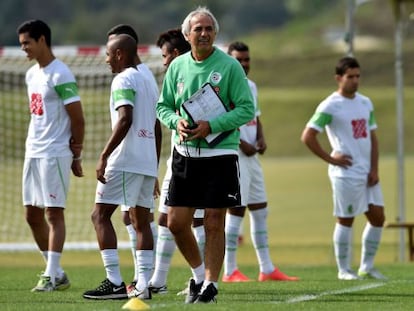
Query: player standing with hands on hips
[350, 124]
[203, 176]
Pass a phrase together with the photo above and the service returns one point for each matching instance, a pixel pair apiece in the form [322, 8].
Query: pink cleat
[276, 275]
[236, 276]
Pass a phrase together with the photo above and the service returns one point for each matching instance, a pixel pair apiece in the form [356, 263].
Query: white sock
[132, 234]
[53, 262]
[164, 251]
[370, 241]
[258, 232]
[145, 259]
[342, 246]
[59, 271]
[232, 233]
[200, 236]
[199, 273]
[111, 263]
[154, 230]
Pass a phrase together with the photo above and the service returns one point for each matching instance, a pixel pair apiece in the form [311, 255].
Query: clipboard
[206, 105]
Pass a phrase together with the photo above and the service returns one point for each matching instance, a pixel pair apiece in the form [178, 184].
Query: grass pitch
[318, 289]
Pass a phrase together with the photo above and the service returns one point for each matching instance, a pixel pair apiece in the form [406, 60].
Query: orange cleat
[236, 276]
[276, 275]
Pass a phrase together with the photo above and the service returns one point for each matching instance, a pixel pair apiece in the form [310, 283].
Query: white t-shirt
[248, 132]
[49, 90]
[137, 152]
[348, 124]
[148, 75]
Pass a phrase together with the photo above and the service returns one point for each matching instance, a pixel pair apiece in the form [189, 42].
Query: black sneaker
[193, 291]
[107, 290]
[208, 295]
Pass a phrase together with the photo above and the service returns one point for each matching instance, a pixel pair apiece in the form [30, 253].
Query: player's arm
[248, 149]
[77, 125]
[309, 138]
[261, 143]
[118, 134]
[373, 176]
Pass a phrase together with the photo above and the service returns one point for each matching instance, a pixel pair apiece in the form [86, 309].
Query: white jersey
[137, 152]
[248, 131]
[348, 124]
[148, 75]
[49, 90]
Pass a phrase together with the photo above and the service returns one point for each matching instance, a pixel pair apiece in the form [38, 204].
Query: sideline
[359, 288]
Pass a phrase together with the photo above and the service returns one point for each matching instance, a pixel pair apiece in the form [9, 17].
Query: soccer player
[152, 83]
[252, 188]
[172, 44]
[203, 176]
[350, 124]
[126, 171]
[53, 148]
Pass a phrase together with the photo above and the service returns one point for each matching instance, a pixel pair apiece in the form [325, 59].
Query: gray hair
[201, 10]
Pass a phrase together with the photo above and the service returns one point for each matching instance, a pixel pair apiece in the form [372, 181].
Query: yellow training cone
[135, 304]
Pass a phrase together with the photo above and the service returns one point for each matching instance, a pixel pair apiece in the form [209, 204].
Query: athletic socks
[110, 260]
[145, 259]
[53, 262]
[200, 236]
[164, 251]
[342, 246]
[258, 232]
[232, 234]
[132, 234]
[370, 241]
[198, 273]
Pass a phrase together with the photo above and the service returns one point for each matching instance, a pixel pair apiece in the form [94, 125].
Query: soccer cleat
[276, 275]
[371, 274]
[141, 294]
[208, 295]
[107, 290]
[193, 291]
[62, 283]
[158, 290]
[131, 287]
[236, 276]
[348, 275]
[44, 284]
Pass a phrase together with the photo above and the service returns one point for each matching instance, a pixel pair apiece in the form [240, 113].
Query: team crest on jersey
[36, 104]
[215, 77]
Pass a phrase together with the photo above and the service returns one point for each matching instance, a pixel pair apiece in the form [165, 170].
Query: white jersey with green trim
[137, 152]
[348, 123]
[248, 131]
[49, 89]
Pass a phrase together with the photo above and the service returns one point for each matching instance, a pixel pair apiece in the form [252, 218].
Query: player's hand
[248, 149]
[100, 170]
[342, 160]
[157, 190]
[261, 146]
[373, 178]
[77, 167]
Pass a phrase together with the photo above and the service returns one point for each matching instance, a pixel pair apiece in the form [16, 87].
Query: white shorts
[351, 196]
[252, 186]
[45, 181]
[124, 188]
[162, 208]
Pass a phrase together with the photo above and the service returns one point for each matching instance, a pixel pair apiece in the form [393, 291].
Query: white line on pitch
[334, 292]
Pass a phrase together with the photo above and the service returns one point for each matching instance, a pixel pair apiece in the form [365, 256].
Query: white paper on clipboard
[206, 105]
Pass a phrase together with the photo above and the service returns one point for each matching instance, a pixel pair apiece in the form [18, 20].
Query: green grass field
[300, 230]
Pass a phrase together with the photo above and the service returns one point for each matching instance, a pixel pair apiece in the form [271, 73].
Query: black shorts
[210, 182]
